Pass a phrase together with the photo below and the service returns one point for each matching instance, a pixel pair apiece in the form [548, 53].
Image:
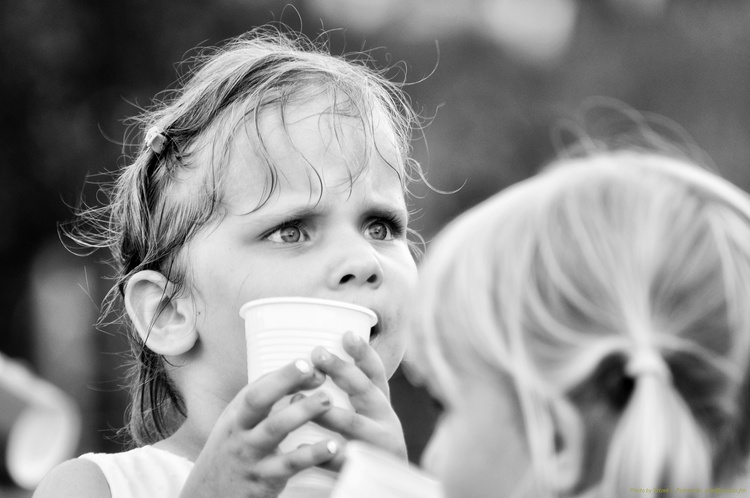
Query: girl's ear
[570, 445]
[166, 324]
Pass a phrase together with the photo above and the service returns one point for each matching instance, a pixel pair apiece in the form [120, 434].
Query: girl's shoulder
[143, 472]
[78, 477]
[140, 473]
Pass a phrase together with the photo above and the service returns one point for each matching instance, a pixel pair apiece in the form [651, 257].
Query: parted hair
[563, 284]
[161, 197]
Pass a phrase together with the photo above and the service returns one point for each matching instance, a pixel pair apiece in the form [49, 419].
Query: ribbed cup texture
[280, 331]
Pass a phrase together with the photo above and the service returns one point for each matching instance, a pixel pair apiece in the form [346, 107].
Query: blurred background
[495, 77]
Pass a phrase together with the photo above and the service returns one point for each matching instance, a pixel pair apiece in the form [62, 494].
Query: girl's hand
[373, 419]
[241, 456]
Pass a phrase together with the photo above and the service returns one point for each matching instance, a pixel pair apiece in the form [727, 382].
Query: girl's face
[478, 447]
[344, 240]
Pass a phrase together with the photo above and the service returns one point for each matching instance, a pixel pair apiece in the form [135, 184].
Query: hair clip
[155, 139]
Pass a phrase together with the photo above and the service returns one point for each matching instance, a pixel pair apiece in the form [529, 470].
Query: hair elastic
[647, 361]
[155, 139]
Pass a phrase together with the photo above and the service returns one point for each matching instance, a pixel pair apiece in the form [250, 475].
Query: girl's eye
[287, 234]
[379, 230]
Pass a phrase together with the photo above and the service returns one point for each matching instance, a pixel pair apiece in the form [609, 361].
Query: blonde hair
[567, 283]
[162, 197]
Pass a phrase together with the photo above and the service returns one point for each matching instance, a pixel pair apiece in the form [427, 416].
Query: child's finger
[348, 423]
[367, 360]
[285, 465]
[386, 433]
[267, 435]
[257, 398]
[364, 395]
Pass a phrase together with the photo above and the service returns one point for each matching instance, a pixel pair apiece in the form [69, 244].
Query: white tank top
[144, 472]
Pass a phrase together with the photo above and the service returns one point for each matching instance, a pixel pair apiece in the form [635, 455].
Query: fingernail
[355, 339]
[323, 397]
[297, 397]
[303, 366]
[332, 447]
[323, 355]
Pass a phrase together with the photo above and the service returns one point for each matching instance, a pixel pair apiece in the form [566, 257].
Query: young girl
[277, 170]
[588, 333]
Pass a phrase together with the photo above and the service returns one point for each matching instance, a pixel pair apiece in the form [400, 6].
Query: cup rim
[308, 300]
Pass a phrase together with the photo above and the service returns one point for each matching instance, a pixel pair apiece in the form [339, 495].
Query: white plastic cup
[279, 331]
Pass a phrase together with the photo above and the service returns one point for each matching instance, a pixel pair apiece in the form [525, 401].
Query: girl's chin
[391, 352]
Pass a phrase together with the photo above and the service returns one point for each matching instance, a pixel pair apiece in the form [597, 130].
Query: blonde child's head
[174, 186]
[588, 331]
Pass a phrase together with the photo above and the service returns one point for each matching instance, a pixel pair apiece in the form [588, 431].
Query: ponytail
[657, 443]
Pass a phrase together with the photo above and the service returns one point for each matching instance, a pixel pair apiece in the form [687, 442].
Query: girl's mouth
[374, 331]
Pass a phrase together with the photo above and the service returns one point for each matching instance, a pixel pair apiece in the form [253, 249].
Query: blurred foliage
[72, 70]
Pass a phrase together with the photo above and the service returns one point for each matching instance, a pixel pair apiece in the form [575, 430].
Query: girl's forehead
[329, 120]
[308, 145]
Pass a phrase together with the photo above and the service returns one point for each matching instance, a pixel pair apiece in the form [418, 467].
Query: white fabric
[145, 472]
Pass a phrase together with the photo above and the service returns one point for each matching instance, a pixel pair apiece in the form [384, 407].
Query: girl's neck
[203, 405]
[187, 442]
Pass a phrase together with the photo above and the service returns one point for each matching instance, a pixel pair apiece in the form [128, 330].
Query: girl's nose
[355, 265]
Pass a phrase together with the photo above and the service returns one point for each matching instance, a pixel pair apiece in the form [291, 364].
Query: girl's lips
[375, 329]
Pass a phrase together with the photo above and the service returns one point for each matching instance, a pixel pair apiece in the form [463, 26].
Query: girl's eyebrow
[294, 213]
[387, 211]
[308, 211]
